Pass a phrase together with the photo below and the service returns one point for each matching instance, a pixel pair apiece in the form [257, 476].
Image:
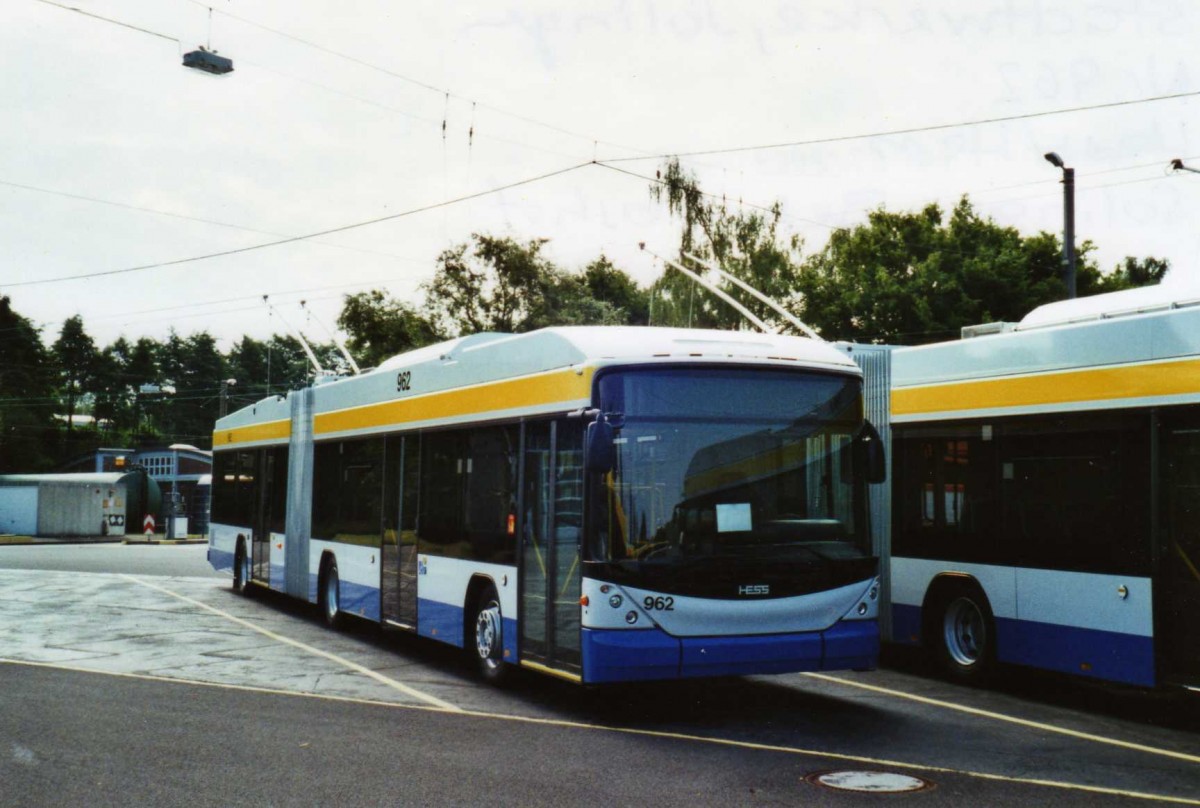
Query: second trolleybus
[602, 504]
[1045, 491]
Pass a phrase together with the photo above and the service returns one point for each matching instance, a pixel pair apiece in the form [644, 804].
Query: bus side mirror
[601, 453]
[872, 454]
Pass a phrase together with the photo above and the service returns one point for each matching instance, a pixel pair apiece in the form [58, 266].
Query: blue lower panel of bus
[220, 560]
[1087, 652]
[1107, 655]
[443, 622]
[624, 656]
[359, 599]
[906, 624]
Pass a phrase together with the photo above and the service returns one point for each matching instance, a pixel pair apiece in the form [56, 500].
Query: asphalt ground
[165, 688]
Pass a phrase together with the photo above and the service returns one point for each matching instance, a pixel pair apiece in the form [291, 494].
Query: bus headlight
[615, 601]
[631, 618]
[862, 609]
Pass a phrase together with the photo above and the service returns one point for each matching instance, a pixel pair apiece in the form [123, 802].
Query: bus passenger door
[263, 466]
[272, 513]
[1177, 631]
[551, 531]
[398, 584]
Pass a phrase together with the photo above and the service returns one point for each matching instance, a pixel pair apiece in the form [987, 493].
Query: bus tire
[241, 570]
[487, 650]
[963, 631]
[329, 595]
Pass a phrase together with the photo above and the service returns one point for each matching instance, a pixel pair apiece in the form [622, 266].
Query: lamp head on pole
[1055, 160]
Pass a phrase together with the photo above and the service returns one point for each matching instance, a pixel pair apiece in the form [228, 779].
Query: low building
[183, 472]
[72, 505]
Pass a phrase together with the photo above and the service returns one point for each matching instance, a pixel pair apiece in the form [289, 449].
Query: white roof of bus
[570, 345]
[488, 357]
[1113, 304]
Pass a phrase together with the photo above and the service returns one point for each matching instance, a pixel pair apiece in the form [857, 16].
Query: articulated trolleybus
[1046, 496]
[600, 504]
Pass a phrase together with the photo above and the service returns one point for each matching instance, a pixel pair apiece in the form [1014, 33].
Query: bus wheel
[331, 596]
[489, 637]
[966, 635]
[241, 570]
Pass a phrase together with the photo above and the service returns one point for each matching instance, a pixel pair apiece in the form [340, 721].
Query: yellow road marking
[1024, 722]
[354, 666]
[646, 733]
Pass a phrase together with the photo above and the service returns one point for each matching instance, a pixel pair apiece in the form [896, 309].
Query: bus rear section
[1045, 488]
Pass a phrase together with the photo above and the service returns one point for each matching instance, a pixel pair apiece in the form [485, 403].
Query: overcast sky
[114, 156]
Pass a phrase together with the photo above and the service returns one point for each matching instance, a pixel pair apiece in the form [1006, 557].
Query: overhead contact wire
[305, 237]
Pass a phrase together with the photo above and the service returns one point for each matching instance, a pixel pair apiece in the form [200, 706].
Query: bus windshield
[730, 463]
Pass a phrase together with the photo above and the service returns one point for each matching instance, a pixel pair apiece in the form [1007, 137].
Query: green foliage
[75, 355]
[912, 278]
[27, 430]
[381, 326]
[1133, 272]
[745, 244]
[501, 285]
[606, 283]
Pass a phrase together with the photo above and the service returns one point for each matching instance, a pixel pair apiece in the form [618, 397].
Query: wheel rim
[487, 634]
[964, 632]
[332, 607]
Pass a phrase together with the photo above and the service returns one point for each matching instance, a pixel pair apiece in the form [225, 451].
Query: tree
[498, 284]
[610, 285]
[1133, 273]
[26, 395]
[261, 368]
[912, 277]
[745, 244]
[75, 353]
[381, 326]
[193, 372]
[113, 402]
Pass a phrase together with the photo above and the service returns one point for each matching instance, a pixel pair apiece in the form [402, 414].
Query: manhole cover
[869, 782]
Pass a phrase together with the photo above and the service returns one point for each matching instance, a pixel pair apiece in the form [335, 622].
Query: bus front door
[1178, 627]
[551, 532]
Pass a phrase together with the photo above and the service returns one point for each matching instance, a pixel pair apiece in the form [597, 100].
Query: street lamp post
[1068, 182]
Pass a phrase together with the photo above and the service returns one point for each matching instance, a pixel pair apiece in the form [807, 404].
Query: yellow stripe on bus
[1098, 384]
[271, 430]
[560, 386]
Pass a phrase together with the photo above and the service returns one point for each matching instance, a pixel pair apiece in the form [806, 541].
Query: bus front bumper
[636, 655]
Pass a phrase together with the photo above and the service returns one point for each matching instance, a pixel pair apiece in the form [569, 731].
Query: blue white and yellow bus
[600, 504]
[1046, 492]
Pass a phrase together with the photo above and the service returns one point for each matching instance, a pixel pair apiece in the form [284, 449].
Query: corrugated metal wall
[79, 509]
[876, 362]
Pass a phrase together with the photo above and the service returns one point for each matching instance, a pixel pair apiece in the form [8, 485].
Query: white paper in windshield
[733, 517]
